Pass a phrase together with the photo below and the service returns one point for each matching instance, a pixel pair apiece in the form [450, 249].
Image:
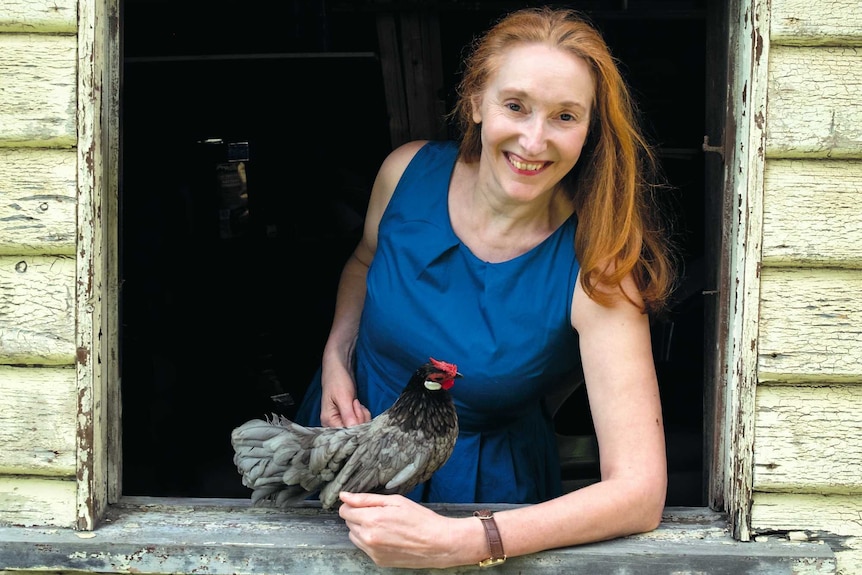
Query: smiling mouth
[527, 166]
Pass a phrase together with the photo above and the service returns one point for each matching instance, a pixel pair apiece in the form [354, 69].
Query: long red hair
[612, 185]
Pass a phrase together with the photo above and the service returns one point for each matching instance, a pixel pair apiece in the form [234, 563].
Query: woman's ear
[476, 106]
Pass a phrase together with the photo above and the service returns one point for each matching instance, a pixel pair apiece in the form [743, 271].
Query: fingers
[361, 412]
[330, 415]
[335, 416]
[339, 406]
[356, 500]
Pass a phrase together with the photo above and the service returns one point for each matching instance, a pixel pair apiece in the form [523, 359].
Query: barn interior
[250, 136]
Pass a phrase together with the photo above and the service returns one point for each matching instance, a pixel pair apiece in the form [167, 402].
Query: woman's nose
[533, 138]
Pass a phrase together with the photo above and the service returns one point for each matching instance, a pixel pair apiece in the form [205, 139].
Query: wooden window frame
[99, 461]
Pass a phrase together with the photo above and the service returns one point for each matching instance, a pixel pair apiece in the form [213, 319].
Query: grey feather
[284, 462]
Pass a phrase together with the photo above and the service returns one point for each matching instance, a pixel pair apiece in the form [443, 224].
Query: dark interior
[229, 273]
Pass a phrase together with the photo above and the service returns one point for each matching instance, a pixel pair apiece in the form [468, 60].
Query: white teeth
[524, 166]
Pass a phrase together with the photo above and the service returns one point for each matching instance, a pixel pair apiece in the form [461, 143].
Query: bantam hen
[285, 462]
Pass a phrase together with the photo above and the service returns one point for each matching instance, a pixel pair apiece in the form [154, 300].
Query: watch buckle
[492, 561]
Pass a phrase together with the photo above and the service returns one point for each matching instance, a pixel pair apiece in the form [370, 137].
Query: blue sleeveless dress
[505, 325]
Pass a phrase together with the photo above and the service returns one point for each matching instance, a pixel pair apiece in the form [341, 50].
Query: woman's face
[534, 112]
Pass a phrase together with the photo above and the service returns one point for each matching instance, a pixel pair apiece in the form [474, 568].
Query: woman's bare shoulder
[390, 172]
[397, 160]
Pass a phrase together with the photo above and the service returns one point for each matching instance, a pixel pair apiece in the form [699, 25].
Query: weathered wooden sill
[149, 535]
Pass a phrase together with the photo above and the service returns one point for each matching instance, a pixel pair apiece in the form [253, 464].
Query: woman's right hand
[339, 406]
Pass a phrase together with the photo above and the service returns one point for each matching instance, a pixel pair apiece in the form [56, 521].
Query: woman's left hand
[394, 531]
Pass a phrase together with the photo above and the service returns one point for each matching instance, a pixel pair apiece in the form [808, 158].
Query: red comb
[449, 368]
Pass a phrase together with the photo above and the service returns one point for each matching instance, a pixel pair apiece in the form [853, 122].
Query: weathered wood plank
[748, 60]
[393, 79]
[831, 518]
[110, 208]
[37, 421]
[815, 103]
[95, 355]
[836, 519]
[37, 201]
[810, 325]
[32, 501]
[193, 539]
[37, 310]
[813, 213]
[848, 556]
[828, 22]
[42, 16]
[808, 439]
[812, 513]
[38, 92]
[423, 76]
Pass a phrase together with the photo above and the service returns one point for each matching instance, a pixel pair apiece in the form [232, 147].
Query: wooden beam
[161, 536]
[393, 78]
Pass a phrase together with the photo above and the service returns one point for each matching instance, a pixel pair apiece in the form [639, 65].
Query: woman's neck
[493, 226]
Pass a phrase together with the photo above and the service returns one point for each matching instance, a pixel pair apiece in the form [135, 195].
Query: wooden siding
[824, 23]
[39, 174]
[836, 519]
[821, 197]
[810, 325]
[798, 428]
[37, 97]
[37, 310]
[808, 428]
[34, 501]
[826, 513]
[44, 16]
[37, 201]
[37, 421]
[814, 102]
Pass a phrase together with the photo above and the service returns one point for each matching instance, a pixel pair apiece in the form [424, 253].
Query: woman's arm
[622, 386]
[339, 406]
[624, 401]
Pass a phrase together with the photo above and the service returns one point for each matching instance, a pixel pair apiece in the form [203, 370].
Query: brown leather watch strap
[495, 543]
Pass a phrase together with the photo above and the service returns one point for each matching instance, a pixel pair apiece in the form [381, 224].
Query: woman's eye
[514, 107]
[567, 117]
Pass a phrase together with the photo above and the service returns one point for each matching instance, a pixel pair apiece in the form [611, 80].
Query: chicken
[285, 462]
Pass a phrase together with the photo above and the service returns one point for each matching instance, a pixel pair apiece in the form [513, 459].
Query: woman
[520, 254]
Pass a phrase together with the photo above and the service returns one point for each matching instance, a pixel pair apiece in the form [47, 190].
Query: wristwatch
[495, 543]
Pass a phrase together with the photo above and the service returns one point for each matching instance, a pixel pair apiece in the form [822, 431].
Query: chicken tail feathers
[263, 451]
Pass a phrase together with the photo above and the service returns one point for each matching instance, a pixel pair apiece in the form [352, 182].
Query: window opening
[249, 144]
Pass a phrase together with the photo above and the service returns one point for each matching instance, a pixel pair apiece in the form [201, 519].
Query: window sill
[227, 536]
